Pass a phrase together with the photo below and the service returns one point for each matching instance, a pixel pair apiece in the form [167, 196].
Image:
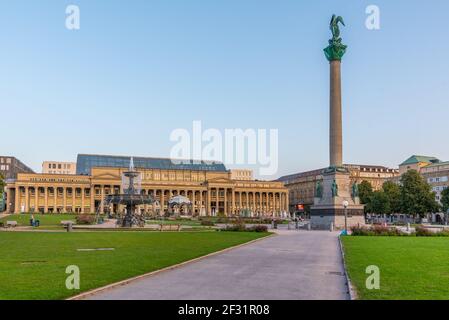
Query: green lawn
[32, 264]
[410, 267]
[44, 219]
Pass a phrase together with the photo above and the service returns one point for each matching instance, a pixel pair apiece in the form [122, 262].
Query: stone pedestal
[329, 208]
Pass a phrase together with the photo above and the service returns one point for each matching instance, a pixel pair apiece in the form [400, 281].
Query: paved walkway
[293, 265]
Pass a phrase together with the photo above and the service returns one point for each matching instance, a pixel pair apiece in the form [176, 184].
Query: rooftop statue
[335, 27]
[336, 48]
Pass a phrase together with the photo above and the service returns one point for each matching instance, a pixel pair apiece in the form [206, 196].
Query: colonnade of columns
[211, 201]
[53, 199]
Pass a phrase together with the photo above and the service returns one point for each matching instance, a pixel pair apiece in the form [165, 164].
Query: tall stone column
[74, 199]
[17, 200]
[217, 206]
[201, 203]
[102, 198]
[92, 199]
[145, 207]
[82, 199]
[27, 199]
[335, 127]
[36, 199]
[334, 53]
[64, 190]
[225, 206]
[254, 207]
[162, 201]
[55, 199]
[333, 196]
[46, 199]
[209, 196]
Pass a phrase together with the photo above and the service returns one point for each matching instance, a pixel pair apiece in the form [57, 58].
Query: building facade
[416, 163]
[55, 167]
[242, 174]
[209, 187]
[301, 186]
[11, 166]
[437, 175]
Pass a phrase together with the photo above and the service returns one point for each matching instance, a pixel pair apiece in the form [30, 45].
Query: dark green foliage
[380, 203]
[2, 184]
[365, 194]
[445, 199]
[416, 195]
[393, 192]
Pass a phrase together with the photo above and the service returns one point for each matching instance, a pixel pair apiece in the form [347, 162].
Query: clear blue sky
[139, 69]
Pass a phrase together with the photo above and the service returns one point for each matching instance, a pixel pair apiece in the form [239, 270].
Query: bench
[170, 227]
[11, 224]
[68, 225]
[65, 223]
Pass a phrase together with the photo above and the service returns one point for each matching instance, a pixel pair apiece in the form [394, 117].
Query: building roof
[438, 164]
[418, 159]
[291, 177]
[85, 163]
[295, 176]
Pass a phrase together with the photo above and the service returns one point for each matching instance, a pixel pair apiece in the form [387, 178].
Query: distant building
[242, 174]
[302, 185]
[11, 166]
[55, 167]
[416, 163]
[434, 171]
[208, 185]
[437, 175]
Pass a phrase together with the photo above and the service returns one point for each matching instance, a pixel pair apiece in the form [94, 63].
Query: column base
[322, 218]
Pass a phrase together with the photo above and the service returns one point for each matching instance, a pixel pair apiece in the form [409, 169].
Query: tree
[445, 199]
[393, 193]
[2, 184]
[2, 190]
[380, 203]
[417, 197]
[365, 194]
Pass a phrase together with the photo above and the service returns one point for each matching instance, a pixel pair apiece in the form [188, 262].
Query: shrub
[238, 225]
[444, 233]
[208, 223]
[259, 228]
[376, 230]
[267, 220]
[361, 231]
[386, 231]
[423, 232]
[85, 219]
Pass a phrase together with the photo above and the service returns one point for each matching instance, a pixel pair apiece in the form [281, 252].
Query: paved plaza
[291, 265]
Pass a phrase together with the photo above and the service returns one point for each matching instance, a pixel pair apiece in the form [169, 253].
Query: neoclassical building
[208, 185]
[302, 185]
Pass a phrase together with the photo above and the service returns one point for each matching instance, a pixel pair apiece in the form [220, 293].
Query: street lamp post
[345, 205]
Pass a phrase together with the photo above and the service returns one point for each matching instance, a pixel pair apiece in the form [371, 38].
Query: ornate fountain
[131, 197]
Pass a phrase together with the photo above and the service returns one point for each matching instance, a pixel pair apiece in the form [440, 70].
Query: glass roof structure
[85, 163]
